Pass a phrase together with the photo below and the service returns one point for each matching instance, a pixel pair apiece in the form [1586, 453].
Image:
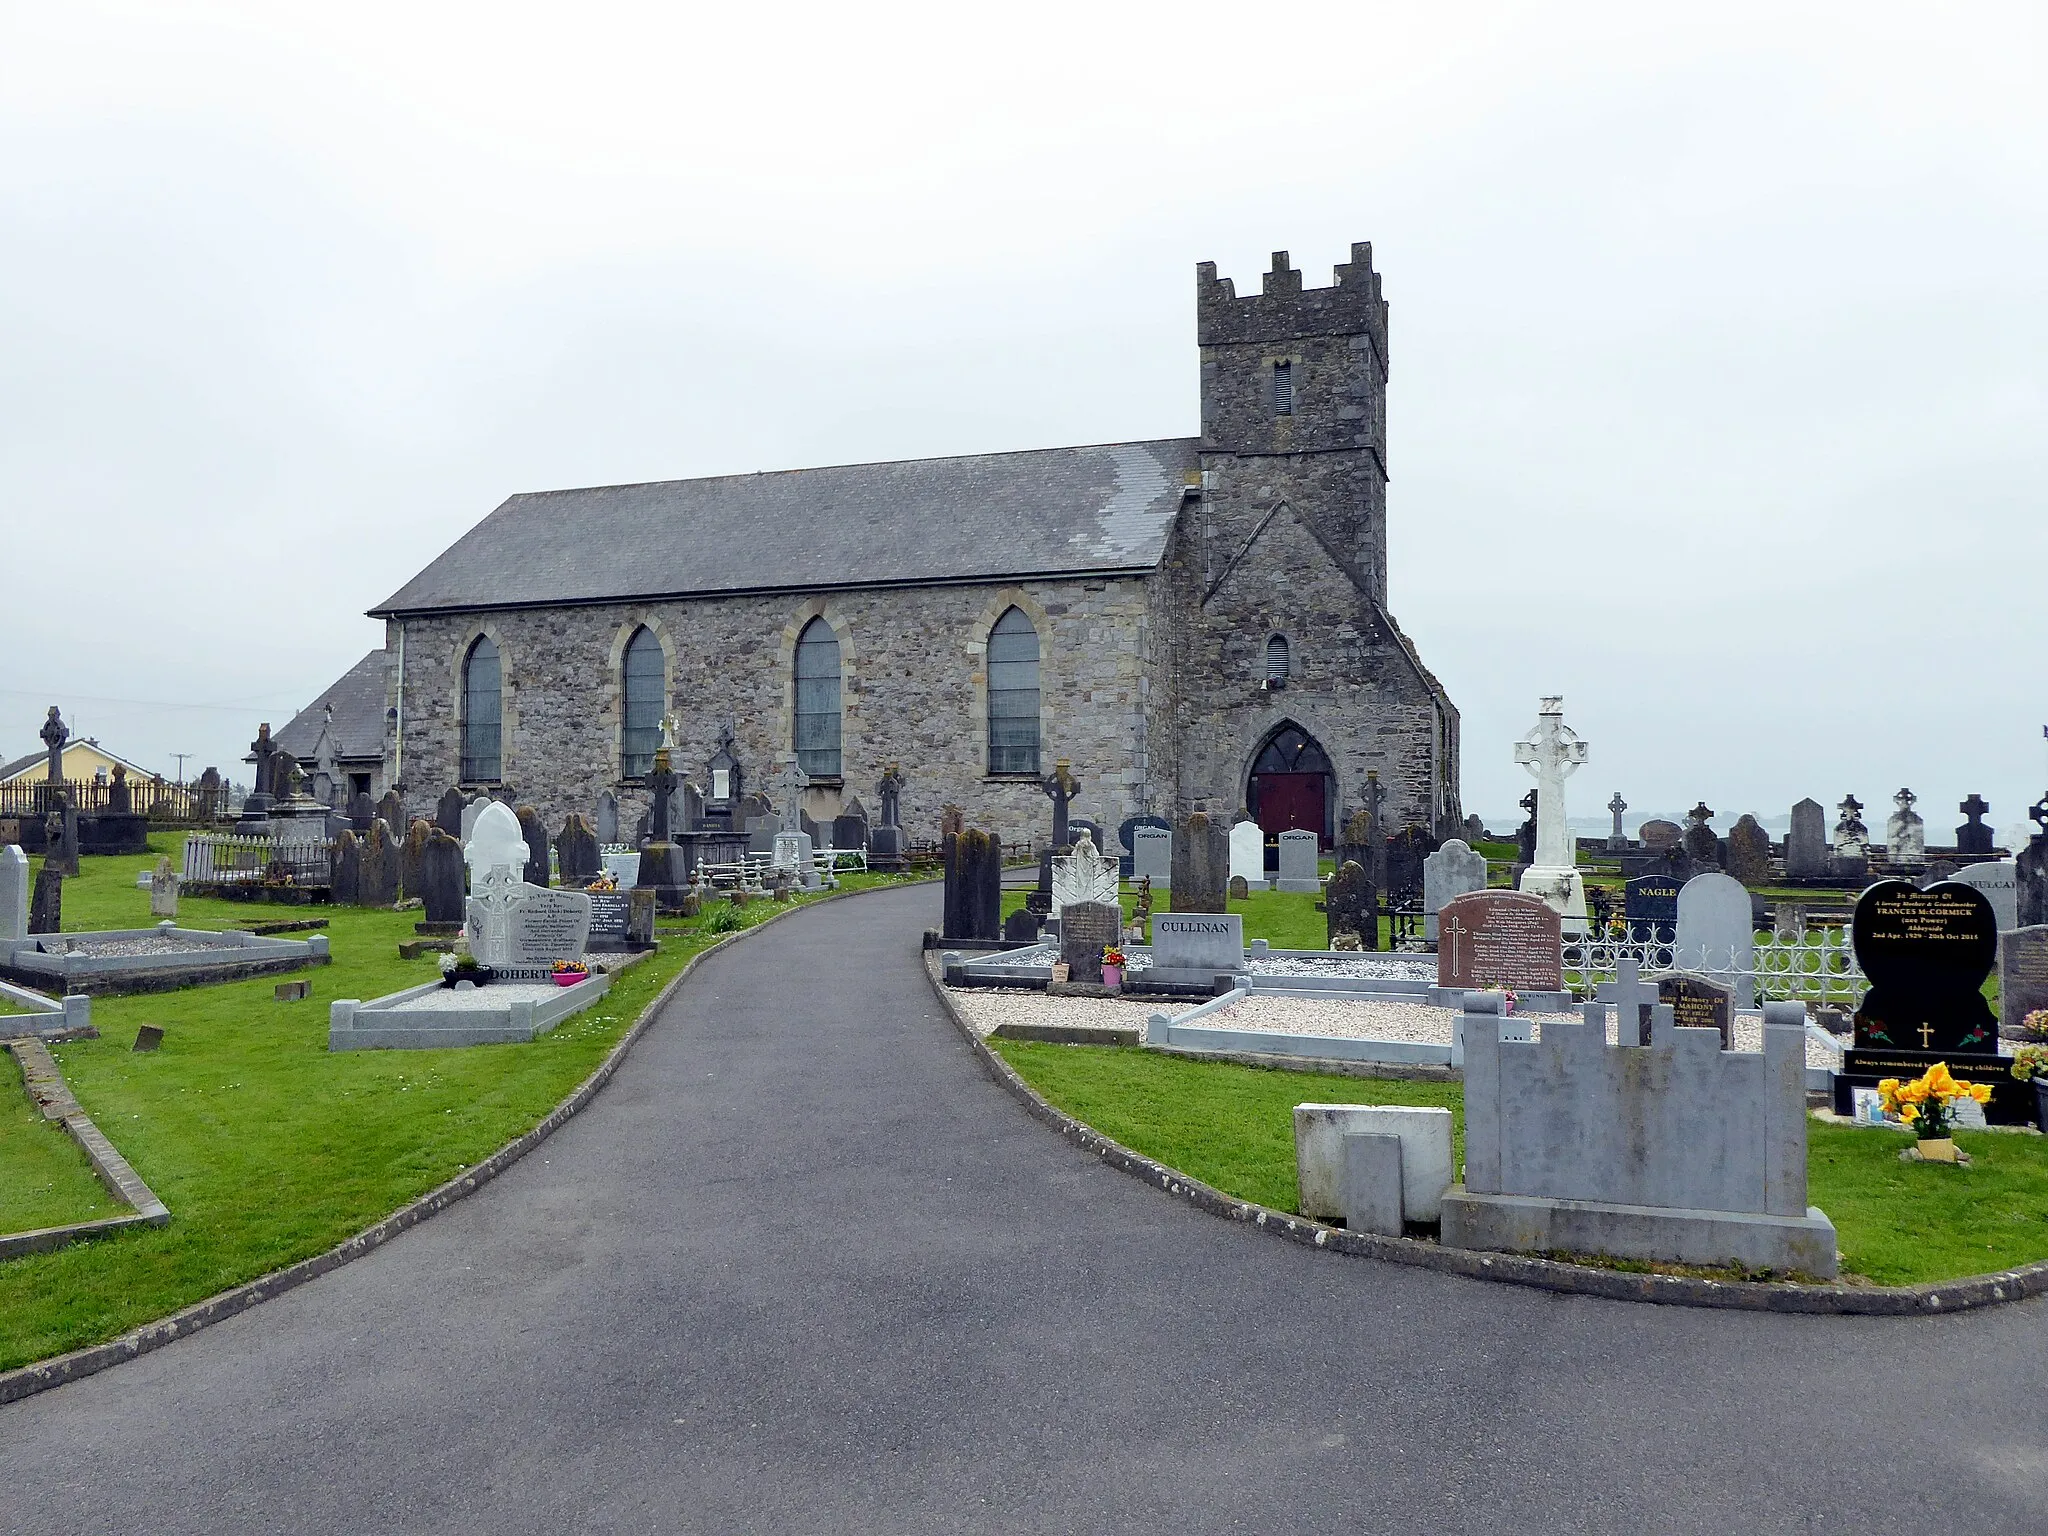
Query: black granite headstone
[1696, 1003]
[46, 903]
[1405, 852]
[1973, 836]
[1022, 926]
[535, 831]
[345, 871]
[974, 886]
[448, 812]
[1650, 905]
[610, 913]
[1926, 954]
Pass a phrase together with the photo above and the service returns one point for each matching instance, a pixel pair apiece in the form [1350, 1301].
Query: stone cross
[1849, 828]
[1552, 752]
[1375, 797]
[1974, 808]
[55, 734]
[661, 784]
[790, 782]
[1905, 800]
[265, 751]
[891, 791]
[1616, 806]
[2038, 814]
[1062, 786]
[1450, 937]
[1701, 814]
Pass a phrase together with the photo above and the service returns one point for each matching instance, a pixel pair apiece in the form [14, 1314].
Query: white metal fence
[234, 860]
[1817, 965]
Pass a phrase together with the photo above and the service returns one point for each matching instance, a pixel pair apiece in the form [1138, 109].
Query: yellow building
[83, 760]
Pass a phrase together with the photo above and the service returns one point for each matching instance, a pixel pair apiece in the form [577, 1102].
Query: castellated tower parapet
[1294, 404]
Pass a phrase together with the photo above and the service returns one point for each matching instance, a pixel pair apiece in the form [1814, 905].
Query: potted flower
[604, 882]
[1112, 967]
[464, 967]
[2030, 1065]
[1927, 1104]
[569, 972]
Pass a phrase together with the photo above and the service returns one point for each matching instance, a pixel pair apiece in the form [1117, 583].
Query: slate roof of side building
[913, 522]
[359, 704]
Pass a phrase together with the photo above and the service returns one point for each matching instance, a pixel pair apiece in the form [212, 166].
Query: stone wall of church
[913, 692]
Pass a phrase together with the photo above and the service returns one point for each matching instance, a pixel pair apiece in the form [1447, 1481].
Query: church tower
[1294, 403]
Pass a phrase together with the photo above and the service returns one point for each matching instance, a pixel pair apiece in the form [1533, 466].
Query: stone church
[1192, 624]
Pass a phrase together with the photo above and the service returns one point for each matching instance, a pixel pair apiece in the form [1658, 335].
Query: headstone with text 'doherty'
[1500, 939]
[1926, 954]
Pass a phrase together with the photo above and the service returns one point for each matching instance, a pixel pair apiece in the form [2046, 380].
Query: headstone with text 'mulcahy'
[1926, 954]
[1999, 880]
[1500, 939]
[1450, 872]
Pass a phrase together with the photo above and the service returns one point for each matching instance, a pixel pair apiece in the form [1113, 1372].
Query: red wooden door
[1291, 801]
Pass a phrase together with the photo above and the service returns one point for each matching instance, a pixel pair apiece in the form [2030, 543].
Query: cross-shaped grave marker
[1552, 752]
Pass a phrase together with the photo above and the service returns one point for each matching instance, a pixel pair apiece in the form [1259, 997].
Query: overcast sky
[1717, 395]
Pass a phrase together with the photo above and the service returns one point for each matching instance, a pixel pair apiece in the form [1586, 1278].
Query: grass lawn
[1232, 1127]
[47, 1182]
[266, 1147]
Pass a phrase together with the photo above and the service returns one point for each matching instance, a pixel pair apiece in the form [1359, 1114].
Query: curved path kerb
[803, 1266]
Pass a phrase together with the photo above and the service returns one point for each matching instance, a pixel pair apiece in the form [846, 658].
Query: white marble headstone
[1084, 875]
[1248, 854]
[13, 894]
[1717, 934]
[1999, 880]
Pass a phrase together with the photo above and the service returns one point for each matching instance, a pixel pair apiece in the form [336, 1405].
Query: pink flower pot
[570, 978]
[1113, 976]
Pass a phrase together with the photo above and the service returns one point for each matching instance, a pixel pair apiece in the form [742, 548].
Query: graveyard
[266, 1145]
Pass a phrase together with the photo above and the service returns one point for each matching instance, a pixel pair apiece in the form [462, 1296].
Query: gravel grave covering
[103, 949]
[496, 994]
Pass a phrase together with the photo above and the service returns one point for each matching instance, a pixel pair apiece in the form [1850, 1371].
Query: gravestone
[361, 810]
[1198, 941]
[472, 808]
[1240, 889]
[887, 849]
[1355, 846]
[1525, 834]
[1926, 954]
[1649, 904]
[1851, 836]
[1973, 837]
[610, 918]
[448, 812]
[1060, 787]
[1450, 872]
[1298, 868]
[1086, 929]
[608, 820]
[411, 871]
[60, 834]
[1500, 939]
[1701, 845]
[1905, 834]
[1248, 855]
[1402, 860]
[1696, 1002]
[1350, 905]
[391, 811]
[2022, 976]
[441, 880]
[534, 833]
[1200, 879]
[850, 827]
[383, 866]
[579, 854]
[1617, 840]
[1126, 831]
[1749, 851]
[1806, 844]
[974, 886]
[1716, 934]
[1083, 876]
[952, 821]
[46, 905]
[1999, 880]
[1658, 835]
[1022, 926]
[1152, 853]
[14, 883]
[345, 871]
[1475, 829]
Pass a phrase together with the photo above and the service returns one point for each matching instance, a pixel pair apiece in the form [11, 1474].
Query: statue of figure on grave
[1851, 835]
[55, 733]
[790, 783]
[1617, 840]
[1552, 752]
[1062, 786]
[891, 791]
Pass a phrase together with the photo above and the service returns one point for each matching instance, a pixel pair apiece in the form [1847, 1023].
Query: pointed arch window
[817, 700]
[1013, 695]
[1277, 659]
[641, 683]
[482, 713]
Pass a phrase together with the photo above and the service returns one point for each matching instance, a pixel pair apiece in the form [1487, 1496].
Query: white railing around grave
[1817, 966]
[225, 859]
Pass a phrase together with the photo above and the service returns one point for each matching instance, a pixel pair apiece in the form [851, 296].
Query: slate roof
[359, 705]
[991, 516]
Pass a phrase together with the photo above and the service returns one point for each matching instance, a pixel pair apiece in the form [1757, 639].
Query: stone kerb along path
[26, 1381]
[1934, 1297]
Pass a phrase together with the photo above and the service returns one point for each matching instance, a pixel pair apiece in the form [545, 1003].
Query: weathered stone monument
[1617, 840]
[1905, 834]
[974, 886]
[1086, 929]
[1450, 872]
[1677, 1151]
[1552, 753]
[607, 820]
[1201, 866]
[345, 871]
[579, 856]
[1701, 843]
[2022, 975]
[1749, 851]
[448, 811]
[886, 849]
[1351, 906]
[1806, 843]
[46, 905]
[441, 883]
[383, 865]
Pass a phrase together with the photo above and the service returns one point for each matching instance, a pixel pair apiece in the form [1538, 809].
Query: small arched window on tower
[1283, 389]
[1277, 660]
[1013, 695]
[642, 686]
[482, 713]
[817, 700]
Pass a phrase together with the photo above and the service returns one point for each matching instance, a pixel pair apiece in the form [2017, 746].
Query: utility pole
[181, 756]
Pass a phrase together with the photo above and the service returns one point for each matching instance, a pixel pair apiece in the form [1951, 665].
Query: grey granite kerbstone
[1371, 1190]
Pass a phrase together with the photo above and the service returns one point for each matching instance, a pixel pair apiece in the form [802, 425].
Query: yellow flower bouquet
[1927, 1103]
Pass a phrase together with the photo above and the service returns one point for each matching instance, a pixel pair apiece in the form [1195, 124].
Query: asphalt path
[803, 1267]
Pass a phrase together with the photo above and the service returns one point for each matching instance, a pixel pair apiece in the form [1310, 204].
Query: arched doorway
[1291, 784]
